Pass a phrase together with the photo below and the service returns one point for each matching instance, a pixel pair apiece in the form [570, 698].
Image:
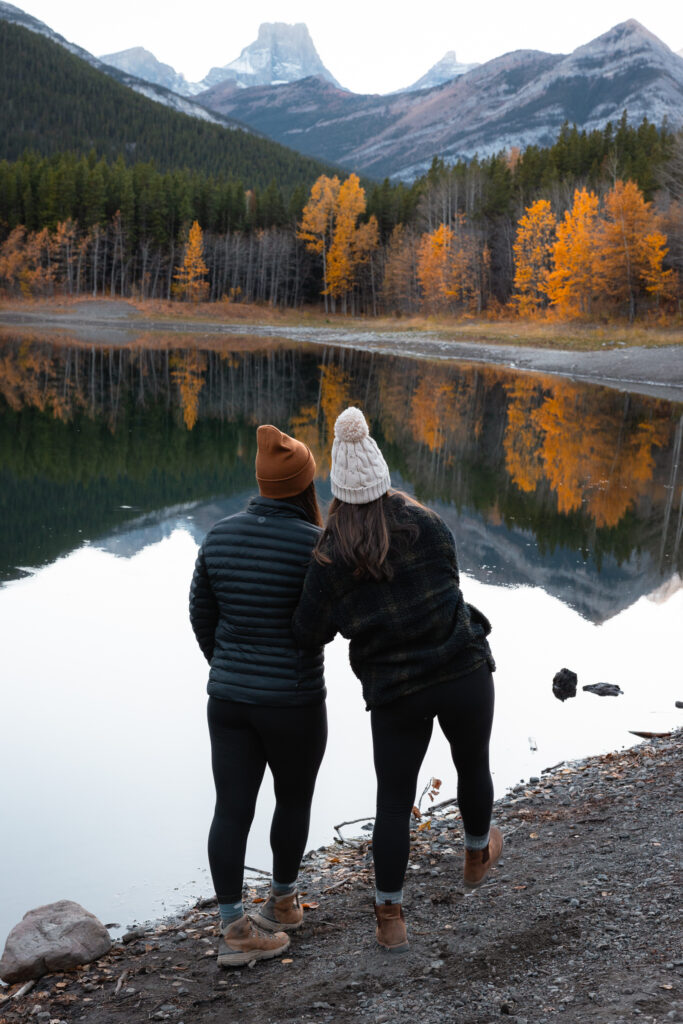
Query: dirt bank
[581, 921]
[641, 368]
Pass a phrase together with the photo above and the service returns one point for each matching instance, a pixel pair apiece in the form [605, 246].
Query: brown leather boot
[478, 863]
[280, 913]
[242, 942]
[391, 927]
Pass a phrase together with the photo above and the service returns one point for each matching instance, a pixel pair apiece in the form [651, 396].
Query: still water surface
[566, 505]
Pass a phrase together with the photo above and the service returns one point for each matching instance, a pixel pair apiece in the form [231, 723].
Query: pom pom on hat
[359, 472]
[351, 425]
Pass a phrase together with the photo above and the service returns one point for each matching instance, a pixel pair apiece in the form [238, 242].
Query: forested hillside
[53, 101]
[592, 225]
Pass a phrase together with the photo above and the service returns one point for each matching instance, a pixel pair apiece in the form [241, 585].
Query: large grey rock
[52, 938]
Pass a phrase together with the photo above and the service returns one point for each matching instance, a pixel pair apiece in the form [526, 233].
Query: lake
[565, 500]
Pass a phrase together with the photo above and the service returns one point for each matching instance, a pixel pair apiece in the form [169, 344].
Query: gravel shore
[656, 371]
[580, 921]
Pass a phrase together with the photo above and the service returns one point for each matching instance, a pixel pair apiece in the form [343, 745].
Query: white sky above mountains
[368, 46]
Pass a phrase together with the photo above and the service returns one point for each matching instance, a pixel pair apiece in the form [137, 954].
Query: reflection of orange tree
[187, 371]
[33, 375]
[314, 425]
[589, 457]
[430, 411]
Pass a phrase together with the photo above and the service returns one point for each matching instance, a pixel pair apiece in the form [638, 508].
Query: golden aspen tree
[190, 277]
[533, 256]
[433, 266]
[572, 282]
[317, 221]
[631, 248]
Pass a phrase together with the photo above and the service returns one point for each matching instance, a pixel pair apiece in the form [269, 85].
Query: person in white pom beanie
[385, 576]
[359, 473]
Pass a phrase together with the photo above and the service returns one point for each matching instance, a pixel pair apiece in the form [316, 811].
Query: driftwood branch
[258, 871]
[368, 817]
[345, 879]
[119, 983]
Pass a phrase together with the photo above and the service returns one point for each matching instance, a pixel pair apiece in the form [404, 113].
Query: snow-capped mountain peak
[443, 71]
[281, 53]
[140, 62]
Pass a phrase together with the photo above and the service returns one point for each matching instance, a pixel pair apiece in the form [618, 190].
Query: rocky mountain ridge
[519, 99]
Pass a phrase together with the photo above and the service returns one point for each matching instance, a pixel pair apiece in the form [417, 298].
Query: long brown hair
[364, 536]
[307, 500]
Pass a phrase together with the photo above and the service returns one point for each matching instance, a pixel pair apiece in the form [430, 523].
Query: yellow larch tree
[190, 277]
[631, 248]
[329, 226]
[533, 257]
[572, 281]
[317, 221]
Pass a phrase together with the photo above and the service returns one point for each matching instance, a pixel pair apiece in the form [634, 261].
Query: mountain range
[279, 88]
[516, 100]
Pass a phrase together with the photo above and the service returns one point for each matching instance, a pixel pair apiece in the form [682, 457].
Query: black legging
[401, 732]
[244, 739]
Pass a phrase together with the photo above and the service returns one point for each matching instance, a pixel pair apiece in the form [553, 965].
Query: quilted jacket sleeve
[203, 607]
[313, 622]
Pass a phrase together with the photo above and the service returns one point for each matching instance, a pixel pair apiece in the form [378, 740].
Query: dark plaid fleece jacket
[407, 633]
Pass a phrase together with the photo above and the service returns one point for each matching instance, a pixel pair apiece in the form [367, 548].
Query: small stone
[603, 689]
[564, 684]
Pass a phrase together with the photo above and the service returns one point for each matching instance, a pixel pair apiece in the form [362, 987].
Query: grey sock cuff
[476, 842]
[283, 888]
[230, 912]
[388, 897]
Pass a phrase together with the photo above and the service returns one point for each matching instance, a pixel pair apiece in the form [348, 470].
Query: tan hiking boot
[280, 913]
[241, 942]
[478, 863]
[391, 927]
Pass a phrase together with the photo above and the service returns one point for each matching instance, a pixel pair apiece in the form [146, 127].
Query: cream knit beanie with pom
[359, 472]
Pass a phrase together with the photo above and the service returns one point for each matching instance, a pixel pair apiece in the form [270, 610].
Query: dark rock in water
[564, 684]
[679, 703]
[604, 689]
[55, 937]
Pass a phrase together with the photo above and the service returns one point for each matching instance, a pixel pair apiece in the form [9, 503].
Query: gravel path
[581, 922]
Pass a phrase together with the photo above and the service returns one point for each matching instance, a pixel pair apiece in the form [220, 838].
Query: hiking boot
[241, 942]
[280, 913]
[391, 927]
[478, 863]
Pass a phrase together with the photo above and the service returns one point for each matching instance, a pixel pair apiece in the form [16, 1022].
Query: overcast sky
[368, 45]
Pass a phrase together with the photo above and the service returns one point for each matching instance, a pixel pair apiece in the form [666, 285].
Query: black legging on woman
[401, 732]
[244, 739]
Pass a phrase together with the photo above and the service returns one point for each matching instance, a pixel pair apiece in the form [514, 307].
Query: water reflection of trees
[583, 467]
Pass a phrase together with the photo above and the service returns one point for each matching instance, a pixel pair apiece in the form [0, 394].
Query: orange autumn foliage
[533, 249]
[631, 248]
[572, 282]
[190, 277]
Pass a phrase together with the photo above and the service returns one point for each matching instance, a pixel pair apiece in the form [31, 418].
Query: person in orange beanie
[266, 696]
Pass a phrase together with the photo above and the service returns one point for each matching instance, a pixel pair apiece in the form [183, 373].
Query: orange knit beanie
[284, 466]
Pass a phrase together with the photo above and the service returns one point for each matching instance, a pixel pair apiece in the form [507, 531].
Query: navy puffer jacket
[246, 584]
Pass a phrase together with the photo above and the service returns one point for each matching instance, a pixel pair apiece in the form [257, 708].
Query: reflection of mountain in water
[496, 555]
[573, 488]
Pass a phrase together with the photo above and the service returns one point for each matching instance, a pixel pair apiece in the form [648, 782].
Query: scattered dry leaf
[533, 835]
[417, 813]
[258, 899]
[424, 825]
[310, 906]
[288, 960]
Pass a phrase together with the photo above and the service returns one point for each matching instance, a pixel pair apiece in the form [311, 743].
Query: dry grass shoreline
[549, 333]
